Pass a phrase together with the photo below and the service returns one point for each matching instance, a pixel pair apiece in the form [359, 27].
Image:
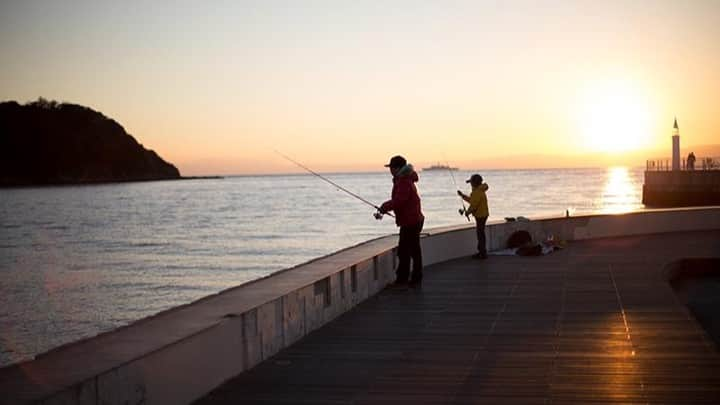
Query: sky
[343, 85]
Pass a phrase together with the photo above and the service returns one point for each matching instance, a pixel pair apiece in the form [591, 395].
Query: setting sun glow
[614, 117]
[342, 85]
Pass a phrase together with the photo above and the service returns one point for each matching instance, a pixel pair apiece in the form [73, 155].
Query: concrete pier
[183, 354]
[597, 322]
[681, 188]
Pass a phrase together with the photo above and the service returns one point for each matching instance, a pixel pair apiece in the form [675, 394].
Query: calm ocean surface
[79, 260]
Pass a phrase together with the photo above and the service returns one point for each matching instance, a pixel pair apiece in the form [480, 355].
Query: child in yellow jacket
[479, 209]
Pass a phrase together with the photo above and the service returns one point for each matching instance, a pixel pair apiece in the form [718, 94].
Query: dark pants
[409, 248]
[480, 230]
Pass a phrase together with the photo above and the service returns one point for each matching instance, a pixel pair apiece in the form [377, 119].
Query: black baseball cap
[475, 178]
[397, 161]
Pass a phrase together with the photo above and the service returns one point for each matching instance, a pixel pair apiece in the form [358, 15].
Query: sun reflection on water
[620, 192]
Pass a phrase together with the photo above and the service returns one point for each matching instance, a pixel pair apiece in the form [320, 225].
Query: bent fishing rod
[461, 211]
[378, 215]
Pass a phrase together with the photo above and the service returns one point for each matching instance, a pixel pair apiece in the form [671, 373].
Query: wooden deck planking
[594, 323]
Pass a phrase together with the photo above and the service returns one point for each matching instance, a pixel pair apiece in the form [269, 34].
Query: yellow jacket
[478, 201]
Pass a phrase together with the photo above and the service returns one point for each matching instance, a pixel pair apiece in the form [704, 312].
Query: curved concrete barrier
[180, 354]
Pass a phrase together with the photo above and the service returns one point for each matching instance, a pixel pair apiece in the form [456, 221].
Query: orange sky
[343, 86]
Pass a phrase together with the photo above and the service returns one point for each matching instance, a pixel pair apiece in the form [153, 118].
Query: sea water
[79, 260]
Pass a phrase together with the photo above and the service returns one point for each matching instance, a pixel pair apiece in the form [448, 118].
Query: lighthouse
[678, 187]
[676, 146]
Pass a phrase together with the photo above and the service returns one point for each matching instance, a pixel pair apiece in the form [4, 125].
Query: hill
[45, 142]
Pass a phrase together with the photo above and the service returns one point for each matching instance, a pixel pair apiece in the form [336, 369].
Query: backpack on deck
[518, 239]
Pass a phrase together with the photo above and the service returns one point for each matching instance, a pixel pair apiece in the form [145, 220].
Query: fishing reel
[464, 212]
[378, 215]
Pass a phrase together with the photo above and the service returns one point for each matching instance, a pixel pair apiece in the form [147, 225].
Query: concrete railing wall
[452, 242]
[179, 355]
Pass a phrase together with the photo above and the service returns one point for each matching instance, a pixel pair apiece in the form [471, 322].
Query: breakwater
[680, 188]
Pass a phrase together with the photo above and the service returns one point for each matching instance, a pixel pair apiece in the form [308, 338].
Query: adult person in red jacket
[405, 202]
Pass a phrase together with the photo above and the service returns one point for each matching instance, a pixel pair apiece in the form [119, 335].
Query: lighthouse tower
[676, 146]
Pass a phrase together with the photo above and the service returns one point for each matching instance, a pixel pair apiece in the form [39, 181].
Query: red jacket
[405, 200]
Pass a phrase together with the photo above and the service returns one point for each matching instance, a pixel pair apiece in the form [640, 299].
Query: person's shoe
[479, 256]
[417, 285]
[398, 285]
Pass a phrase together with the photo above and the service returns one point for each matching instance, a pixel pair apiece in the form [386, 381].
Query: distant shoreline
[444, 171]
[200, 178]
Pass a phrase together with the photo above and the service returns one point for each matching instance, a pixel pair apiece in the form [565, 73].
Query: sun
[613, 116]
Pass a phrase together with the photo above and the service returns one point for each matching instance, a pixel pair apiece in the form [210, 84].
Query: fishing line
[339, 187]
[462, 202]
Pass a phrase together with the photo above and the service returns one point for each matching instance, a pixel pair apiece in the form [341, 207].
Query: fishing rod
[377, 215]
[461, 211]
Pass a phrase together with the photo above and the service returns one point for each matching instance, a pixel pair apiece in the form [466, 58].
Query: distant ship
[438, 167]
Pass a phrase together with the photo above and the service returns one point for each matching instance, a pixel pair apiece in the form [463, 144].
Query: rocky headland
[44, 142]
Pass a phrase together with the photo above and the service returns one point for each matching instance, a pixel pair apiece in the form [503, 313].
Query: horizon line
[299, 172]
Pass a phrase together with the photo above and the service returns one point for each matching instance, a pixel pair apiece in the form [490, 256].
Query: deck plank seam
[628, 334]
[476, 357]
[558, 334]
